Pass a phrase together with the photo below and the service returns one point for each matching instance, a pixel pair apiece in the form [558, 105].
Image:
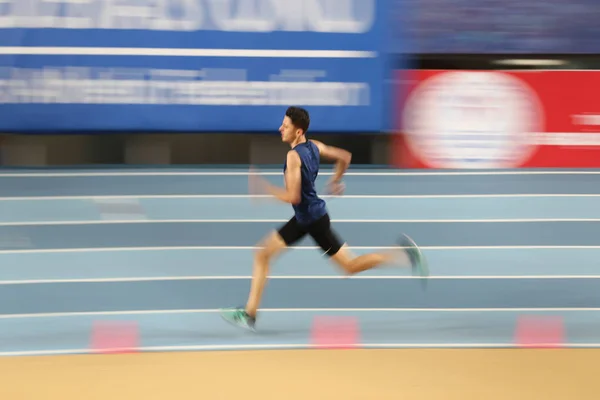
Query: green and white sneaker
[238, 317]
[418, 261]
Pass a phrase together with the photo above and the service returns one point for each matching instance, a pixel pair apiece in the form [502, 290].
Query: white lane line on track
[267, 197]
[283, 277]
[293, 346]
[299, 310]
[275, 220]
[280, 173]
[298, 248]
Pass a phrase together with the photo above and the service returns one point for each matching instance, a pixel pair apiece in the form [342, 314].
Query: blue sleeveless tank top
[311, 207]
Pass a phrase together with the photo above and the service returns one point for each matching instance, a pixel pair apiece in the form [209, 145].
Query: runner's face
[288, 131]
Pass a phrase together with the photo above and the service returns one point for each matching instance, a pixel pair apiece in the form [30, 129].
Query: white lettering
[341, 15]
[6, 13]
[126, 15]
[59, 14]
[350, 16]
[568, 139]
[79, 14]
[336, 16]
[133, 86]
[586, 119]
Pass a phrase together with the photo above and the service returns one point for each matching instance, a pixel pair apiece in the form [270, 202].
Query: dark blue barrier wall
[498, 26]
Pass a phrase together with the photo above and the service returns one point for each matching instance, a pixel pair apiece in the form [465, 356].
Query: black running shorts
[320, 231]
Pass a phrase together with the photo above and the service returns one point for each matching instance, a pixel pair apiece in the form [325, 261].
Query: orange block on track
[540, 331]
[335, 332]
[114, 337]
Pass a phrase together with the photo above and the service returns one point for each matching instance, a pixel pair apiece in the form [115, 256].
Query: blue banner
[500, 26]
[192, 65]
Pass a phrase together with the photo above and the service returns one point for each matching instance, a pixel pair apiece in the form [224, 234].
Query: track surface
[166, 248]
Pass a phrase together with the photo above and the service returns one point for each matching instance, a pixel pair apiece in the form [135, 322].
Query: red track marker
[335, 333]
[114, 337]
[540, 332]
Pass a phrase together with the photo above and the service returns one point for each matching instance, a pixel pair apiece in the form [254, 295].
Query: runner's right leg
[330, 242]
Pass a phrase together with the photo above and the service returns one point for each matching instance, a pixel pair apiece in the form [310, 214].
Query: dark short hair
[299, 116]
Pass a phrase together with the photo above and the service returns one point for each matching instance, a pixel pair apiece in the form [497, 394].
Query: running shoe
[418, 261]
[238, 317]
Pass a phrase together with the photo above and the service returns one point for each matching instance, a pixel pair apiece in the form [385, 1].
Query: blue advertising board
[191, 65]
[500, 26]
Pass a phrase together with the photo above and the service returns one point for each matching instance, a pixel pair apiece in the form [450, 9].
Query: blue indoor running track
[167, 248]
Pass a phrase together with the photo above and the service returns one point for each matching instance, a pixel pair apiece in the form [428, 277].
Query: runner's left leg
[272, 246]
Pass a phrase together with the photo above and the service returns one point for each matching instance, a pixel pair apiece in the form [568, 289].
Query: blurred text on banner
[191, 65]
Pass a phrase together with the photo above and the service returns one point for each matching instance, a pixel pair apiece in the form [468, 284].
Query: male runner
[311, 216]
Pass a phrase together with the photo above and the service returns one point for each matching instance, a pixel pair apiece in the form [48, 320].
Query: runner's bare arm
[341, 157]
[291, 192]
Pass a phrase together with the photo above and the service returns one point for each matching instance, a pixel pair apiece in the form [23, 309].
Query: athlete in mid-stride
[311, 216]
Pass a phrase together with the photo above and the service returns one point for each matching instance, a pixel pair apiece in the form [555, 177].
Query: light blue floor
[167, 248]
